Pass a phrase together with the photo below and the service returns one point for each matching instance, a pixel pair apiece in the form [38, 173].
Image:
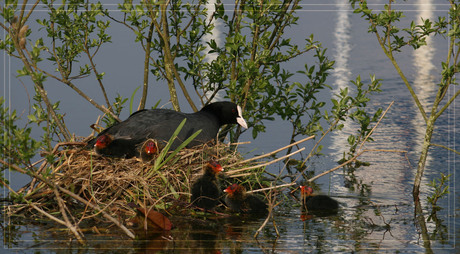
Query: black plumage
[319, 204]
[241, 202]
[206, 189]
[160, 124]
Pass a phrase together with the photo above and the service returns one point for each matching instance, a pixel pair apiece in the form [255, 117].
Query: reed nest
[118, 181]
[82, 186]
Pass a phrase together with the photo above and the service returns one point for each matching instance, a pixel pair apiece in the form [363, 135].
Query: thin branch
[96, 73]
[390, 56]
[377, 124]
[265, 164]
[273, 187]
[47, 214]
[31, 10]
[270, 153]
[318, 142]
[21, 15]
[351, 160]
[69, 225]
[146, 67]
[71, 194]
[445, 147]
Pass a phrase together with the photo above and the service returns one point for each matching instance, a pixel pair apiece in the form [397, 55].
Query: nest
[106, 180]
[84, 186]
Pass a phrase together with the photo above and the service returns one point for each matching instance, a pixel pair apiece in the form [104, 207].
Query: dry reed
[82, 185]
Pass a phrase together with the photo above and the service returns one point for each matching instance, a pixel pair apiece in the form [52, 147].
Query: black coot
[239, 201]
[206, 190]
[160, 124]
[318, 204]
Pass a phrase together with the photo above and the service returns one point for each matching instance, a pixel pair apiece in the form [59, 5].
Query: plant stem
[423, 157]
[146, 68]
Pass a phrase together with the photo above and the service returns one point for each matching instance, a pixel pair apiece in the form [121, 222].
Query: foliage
[441, 188]
[17, 145]
[354, 108]
[298, 100]
[392, 39]
[250, 67]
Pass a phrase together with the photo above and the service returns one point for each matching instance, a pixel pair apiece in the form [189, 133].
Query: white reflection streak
[341, 73]
[423, 82]
[216, 35]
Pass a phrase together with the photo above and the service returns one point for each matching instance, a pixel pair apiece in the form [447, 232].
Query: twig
[265, 164]
[65, 223]
[240, 143]
[45, 162]
[334, 169]
[263, 224]
[7, 186]
[73, 195]
[273, 187]
[106, 215]
[271, 153]
[68, 224]
[47, 214]
[445, 147]
[357, 155]
[241, 175]
[352, 159]
[271, 205]
[377, 124]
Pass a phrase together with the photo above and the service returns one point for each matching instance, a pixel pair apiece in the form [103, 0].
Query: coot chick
[318, 204]
[239, 201]
[160, 124]
[149, 150]
[106, 145]
[206, 189]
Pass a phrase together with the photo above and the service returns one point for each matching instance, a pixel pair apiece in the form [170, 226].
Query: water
[377, 212]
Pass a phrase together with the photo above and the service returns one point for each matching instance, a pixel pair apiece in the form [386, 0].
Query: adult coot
[160, 124]
[205, 189]
[241, 202]
[317, 204]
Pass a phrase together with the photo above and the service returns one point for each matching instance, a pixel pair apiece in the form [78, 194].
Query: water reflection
[424, 81]
[385, 184]
[366, 225]
[376, 204]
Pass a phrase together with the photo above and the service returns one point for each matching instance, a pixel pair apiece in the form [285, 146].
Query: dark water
[377, 212]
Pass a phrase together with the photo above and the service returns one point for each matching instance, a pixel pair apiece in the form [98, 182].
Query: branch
[377, 124]
[390, 56]
[274, 187]
[266, 163]
[358, 154]
[270, 153]
[445, 147]
[71, 194]
[77, 235]
[72, 228]
[351, 160]
[96, 73]
[146, 68]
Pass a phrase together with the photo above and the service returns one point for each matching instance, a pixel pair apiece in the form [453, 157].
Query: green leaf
[159, 162]
[132, 100]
